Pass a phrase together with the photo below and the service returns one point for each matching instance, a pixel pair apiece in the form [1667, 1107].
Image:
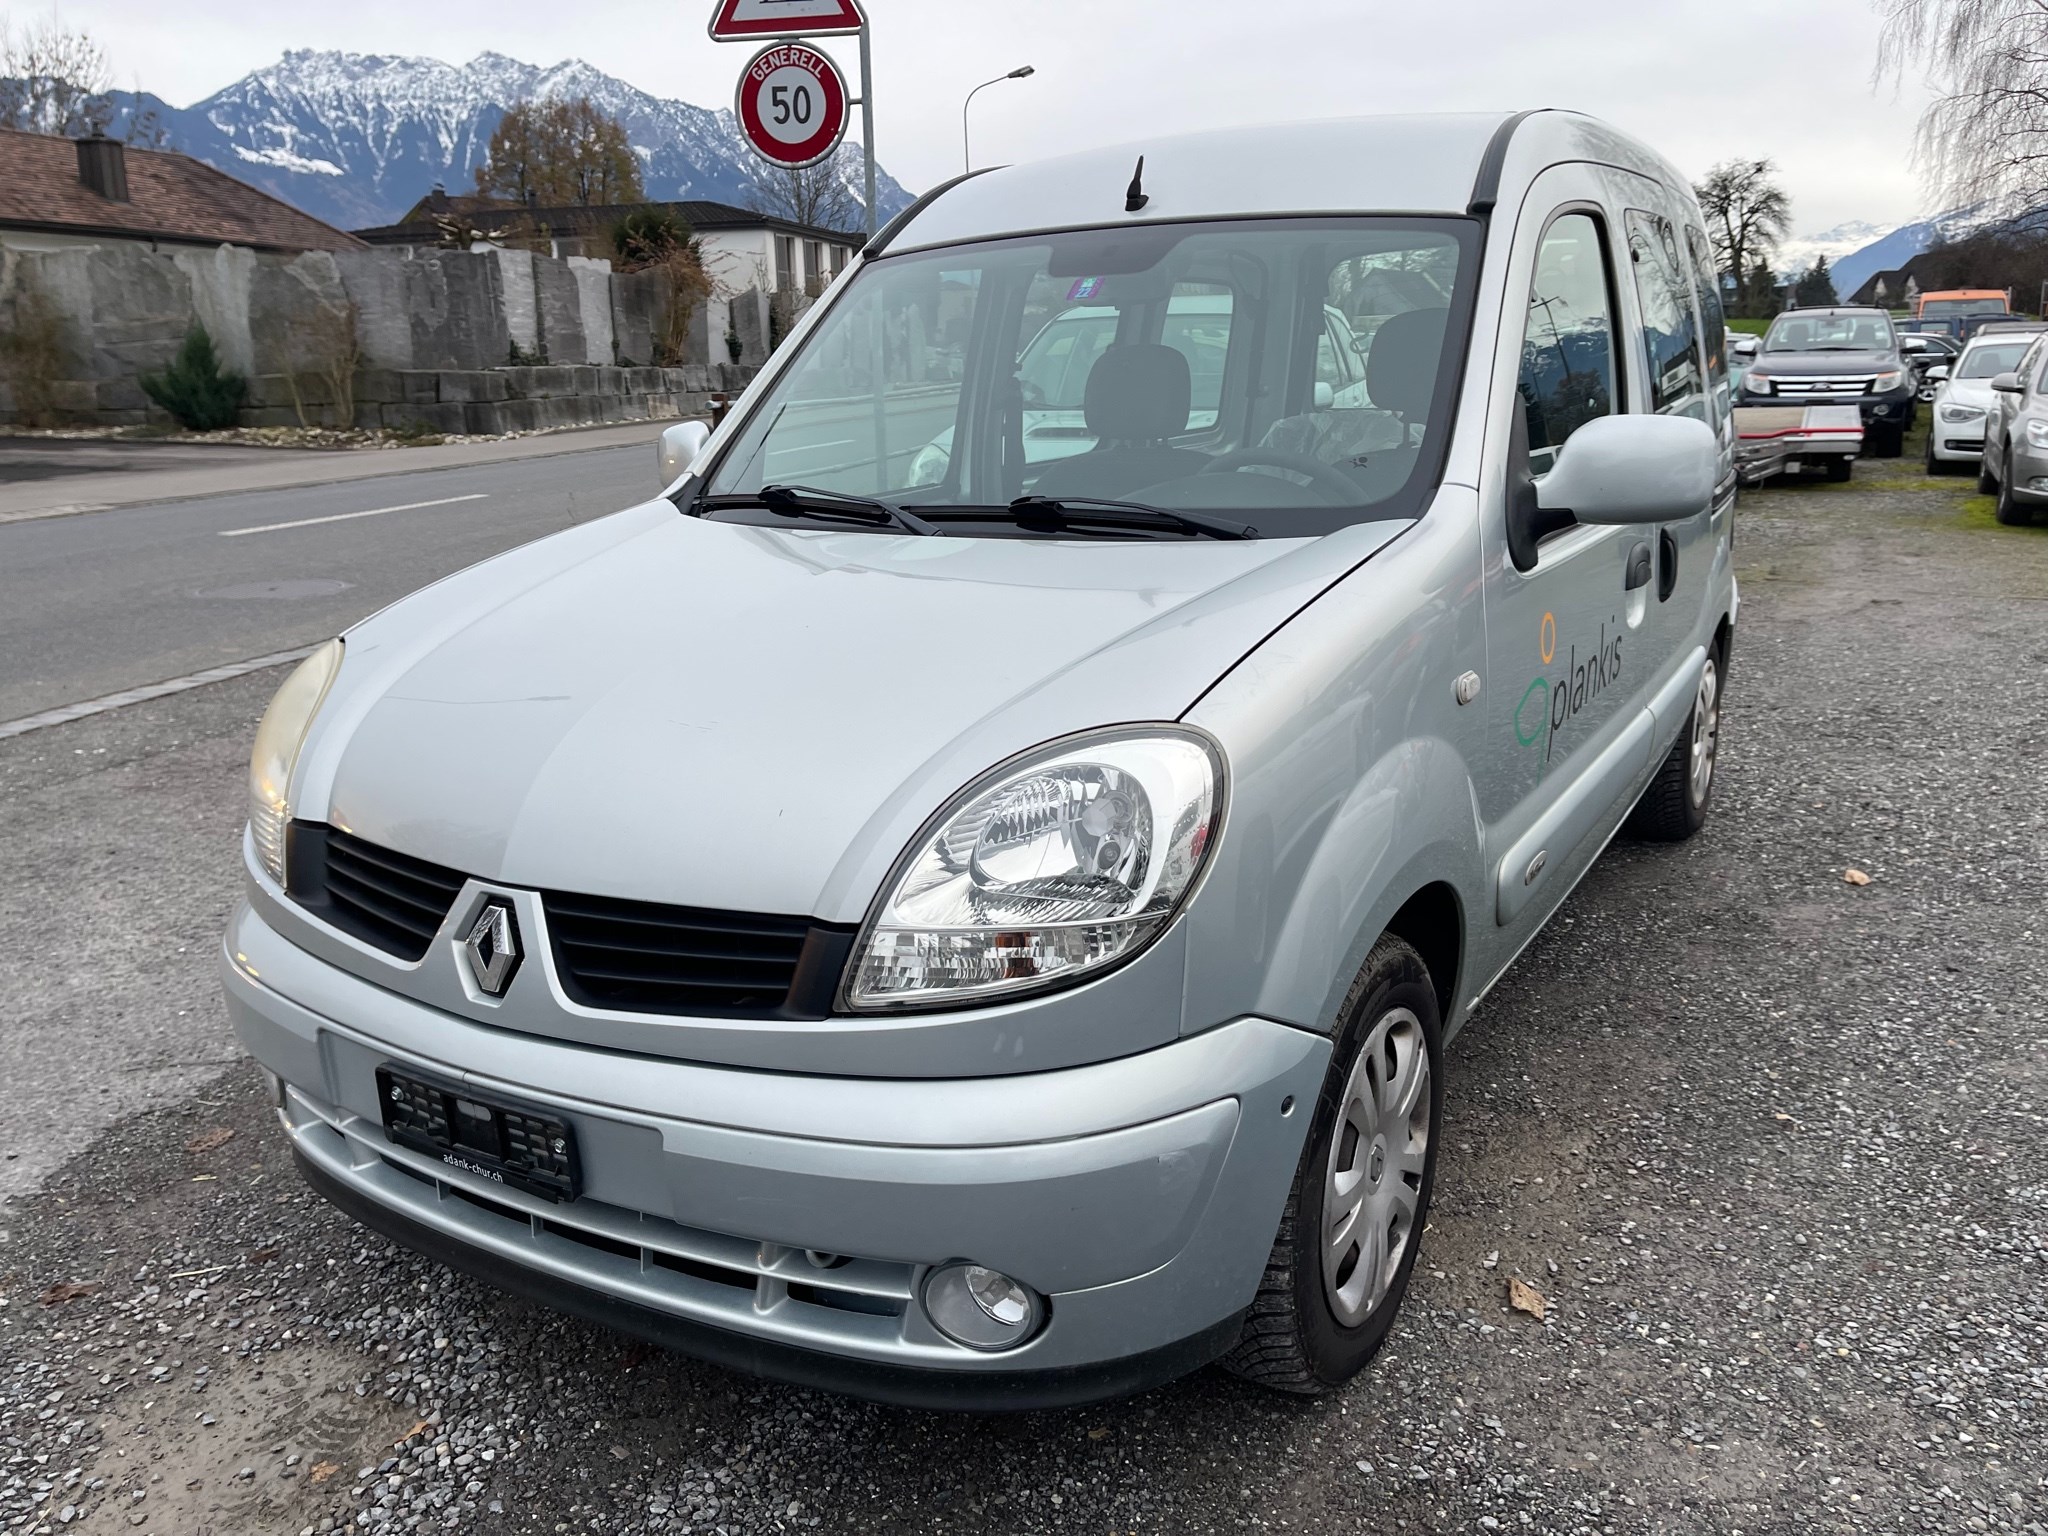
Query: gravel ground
[1773, 1145]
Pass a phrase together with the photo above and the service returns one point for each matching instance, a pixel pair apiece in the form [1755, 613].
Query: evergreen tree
[1816, 286]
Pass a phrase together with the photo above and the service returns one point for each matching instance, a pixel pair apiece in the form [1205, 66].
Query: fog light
[981, 1307]
[2038, 483]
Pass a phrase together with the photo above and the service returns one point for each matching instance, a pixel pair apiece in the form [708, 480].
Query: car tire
[1938, 466]
[1839, 467]
[1675, 805]
[1323, 1311]
[2008, 511]
[1885, 442]
[1986, 485]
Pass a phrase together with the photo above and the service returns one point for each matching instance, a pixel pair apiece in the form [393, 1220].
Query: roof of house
[490, 213]
[171, 197]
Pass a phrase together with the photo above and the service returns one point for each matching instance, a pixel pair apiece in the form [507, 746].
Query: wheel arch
[1432, 922]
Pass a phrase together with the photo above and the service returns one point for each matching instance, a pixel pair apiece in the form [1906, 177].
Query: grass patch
[1981, 513]
[1748, 327]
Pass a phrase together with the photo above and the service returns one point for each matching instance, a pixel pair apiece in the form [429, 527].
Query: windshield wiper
[1105, 512]
[835, 506]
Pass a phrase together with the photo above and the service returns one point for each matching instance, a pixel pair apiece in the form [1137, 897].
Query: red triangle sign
[740, 21]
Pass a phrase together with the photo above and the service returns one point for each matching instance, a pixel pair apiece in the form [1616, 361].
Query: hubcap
[1373, 1184]
[1706, 731]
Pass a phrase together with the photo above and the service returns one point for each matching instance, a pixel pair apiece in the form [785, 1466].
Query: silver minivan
[986, 935]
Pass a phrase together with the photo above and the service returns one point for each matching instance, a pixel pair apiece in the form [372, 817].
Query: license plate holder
[507, 1143]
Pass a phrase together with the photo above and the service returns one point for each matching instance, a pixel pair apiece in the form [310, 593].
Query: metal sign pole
[867, 120]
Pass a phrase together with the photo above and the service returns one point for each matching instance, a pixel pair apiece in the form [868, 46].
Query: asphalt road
[104, 601]
[1773, 1145]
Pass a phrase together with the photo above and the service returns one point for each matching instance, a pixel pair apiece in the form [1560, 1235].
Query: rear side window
[1670, 330]
[1568, 374]
[1713, 318]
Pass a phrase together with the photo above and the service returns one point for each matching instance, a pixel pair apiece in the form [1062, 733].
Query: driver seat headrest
[1138, 393]
[1400, 370]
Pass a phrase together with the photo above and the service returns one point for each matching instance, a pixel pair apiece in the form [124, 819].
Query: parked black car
[1838, 356]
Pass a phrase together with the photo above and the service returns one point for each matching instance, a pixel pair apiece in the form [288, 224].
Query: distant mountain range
[357, 139]
[1859, 249]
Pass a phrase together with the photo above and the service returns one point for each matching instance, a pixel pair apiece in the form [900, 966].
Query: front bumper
[784, 1224]
[1896, 409]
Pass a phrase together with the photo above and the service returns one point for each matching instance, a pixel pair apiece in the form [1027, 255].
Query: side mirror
[1325, 397]
[1912, 344]
[2008, 384]
[679, 447]
[1633, 469]
[1746, 347]
[1937, 373]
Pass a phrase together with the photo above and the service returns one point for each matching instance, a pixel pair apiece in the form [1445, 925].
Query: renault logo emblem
[492, 949]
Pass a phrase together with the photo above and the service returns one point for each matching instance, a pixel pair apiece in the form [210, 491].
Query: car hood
[1781, 365]
[666, 709]
[1974, 392]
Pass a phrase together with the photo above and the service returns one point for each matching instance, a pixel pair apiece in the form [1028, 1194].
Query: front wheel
[1885, 442]
[2009, 511]
[1675, 805]
[1986, 484]
[1353, 1221]
[1839, 467]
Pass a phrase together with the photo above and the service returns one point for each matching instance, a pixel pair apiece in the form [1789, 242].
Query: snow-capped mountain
[357, 139]
[1894, 247]
[1801, 251]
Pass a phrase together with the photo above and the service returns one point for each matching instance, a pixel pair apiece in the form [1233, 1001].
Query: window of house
[814, 262]
[1670, 330]
[1568, 370]
[785, 262]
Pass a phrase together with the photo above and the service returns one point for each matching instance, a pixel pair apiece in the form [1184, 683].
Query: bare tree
[1984, 140]
[817, 195]
[1747, 214]
[558, 153]
[53, 80]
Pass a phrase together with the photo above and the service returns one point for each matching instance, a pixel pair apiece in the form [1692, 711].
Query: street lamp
[966, 151]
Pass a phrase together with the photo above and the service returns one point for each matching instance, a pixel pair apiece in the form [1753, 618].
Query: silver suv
[988, 934]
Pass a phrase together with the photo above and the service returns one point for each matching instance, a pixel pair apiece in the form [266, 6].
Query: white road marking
[842, 442]
[147, 691]
[342, 517]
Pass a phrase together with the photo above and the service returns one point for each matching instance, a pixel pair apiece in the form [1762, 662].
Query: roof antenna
[1135, 198]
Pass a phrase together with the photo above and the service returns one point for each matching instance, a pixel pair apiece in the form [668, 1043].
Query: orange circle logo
[1546, 638]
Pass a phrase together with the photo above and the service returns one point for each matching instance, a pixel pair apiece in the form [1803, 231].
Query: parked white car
[1053, 372]
[1955, 438]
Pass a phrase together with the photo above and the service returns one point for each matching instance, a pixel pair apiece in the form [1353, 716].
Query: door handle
[1641, 568]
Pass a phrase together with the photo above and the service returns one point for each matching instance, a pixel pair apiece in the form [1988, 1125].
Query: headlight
[1048, 870]
[278, 739]
[2037, 434]
[929, 467]
[1884, 383]
[1961, 413]
[1755, 383]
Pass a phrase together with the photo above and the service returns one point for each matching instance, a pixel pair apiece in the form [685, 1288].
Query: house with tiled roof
[742, 248]
[58, 193]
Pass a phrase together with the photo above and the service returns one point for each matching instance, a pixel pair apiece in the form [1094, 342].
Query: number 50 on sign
[792, 105]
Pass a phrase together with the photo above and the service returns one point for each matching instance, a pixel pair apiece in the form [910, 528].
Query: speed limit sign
[792, 105]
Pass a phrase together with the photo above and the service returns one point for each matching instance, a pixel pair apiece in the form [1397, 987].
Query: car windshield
[1287, 373]
[1989, 360]
[1830, 333]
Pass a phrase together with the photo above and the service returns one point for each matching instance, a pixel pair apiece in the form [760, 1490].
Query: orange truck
[1961, 310]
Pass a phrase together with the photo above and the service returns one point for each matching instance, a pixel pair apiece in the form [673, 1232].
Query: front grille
[623, 956]
[391, 900]
[648, 958]
[1842, 385]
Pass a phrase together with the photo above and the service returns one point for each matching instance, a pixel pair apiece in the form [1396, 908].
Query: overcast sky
[1702, 80]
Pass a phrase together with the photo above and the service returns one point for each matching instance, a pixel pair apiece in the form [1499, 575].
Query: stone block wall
[495, 400]
[438, 316]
